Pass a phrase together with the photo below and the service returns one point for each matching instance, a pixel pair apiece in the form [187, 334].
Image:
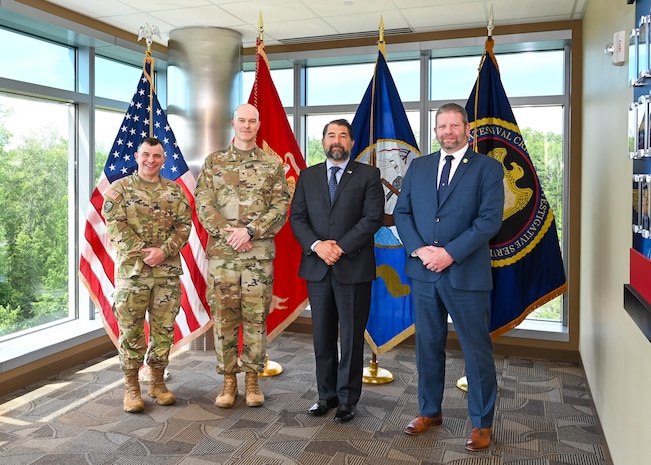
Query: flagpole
[271, 368]
[462, 383]
[147, 32]
[373, 374]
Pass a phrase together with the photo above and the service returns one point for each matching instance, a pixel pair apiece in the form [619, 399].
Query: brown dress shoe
[480, 438]
[421, 424]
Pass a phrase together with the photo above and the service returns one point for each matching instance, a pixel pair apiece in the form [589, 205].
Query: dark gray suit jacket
[352, 220]
[465, 220]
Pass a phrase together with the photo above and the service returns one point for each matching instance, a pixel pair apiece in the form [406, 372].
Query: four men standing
[242, 201]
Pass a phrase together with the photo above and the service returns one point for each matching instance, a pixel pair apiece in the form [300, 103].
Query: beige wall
[615, 353]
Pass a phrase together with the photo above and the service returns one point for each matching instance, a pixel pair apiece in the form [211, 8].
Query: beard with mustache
[337, 155]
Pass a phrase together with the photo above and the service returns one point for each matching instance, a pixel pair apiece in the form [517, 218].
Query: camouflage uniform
[241, 189]
[138, 215]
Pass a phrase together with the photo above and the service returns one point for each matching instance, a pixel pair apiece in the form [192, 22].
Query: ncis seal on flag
[526, 259]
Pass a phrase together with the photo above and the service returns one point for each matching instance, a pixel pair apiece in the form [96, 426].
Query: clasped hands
[239, 239]
[152, 256]
[328, 251]
[434, 258]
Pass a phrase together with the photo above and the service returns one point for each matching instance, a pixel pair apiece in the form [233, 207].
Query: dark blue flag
[383, 138]
[526, 258]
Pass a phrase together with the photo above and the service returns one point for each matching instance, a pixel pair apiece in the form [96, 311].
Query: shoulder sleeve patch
[112, 194]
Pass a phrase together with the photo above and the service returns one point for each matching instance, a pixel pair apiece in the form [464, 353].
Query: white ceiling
[291, 21]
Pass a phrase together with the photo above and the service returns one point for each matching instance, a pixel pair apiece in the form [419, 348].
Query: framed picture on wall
[632, 130]
[636, 203]
[634, 58]
[644, 52]
[642, 126]
[645, 212]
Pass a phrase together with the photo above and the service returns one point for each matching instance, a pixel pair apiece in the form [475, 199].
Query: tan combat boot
[226, 398]
[254, 397]
[157, 388]
[132, 401]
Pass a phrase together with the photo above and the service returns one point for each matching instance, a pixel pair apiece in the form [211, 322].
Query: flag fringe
[538, 303]
[289, 319]
[393, 342]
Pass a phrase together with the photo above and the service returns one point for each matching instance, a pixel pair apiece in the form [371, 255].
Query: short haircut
[339, 122]
[152, 141]
[448, 107]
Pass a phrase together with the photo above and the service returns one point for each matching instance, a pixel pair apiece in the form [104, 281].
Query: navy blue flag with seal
[383, 138]
[526, 258]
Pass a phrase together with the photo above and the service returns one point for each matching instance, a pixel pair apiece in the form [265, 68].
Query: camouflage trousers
[239, 294]
[133, 298]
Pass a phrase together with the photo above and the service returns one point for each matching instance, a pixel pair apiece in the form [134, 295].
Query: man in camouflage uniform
[148, 219]
[241, 200]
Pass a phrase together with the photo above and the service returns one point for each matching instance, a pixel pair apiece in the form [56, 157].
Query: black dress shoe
[322, 407]
[345, 413]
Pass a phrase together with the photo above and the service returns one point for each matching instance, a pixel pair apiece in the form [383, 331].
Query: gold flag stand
[376, 375]
[271, 368]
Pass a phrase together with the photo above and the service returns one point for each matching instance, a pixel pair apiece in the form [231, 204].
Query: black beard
[341, 155]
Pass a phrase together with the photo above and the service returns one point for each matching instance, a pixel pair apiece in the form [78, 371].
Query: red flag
[145, 117]
[276, 136]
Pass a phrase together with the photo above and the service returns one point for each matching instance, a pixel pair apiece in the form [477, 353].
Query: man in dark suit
[446, 231]
[337, 208]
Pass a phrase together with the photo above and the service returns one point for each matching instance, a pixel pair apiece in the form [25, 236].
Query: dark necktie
[332, 183]
[445, 176]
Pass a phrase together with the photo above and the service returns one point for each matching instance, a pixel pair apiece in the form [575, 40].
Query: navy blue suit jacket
[467, 217]
[352, 220]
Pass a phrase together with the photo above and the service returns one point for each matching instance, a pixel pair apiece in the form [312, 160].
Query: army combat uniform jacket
[140, 214]
[242, 191]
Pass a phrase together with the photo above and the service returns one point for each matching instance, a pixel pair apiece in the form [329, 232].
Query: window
[37, 61]
[330, 85]
[542, 130]
[34, 213]
[45, 123]
[107, 127]
[115, 80]
[283, 80]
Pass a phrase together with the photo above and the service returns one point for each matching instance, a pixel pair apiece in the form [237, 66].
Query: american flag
[145, 118]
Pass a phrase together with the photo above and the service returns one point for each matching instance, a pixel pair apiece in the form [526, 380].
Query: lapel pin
[349, 172]
[465, 160]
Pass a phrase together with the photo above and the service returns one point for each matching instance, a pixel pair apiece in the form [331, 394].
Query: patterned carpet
[544, 417]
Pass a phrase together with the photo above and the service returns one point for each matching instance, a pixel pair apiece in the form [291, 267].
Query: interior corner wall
[615, 353]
